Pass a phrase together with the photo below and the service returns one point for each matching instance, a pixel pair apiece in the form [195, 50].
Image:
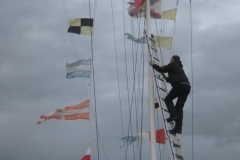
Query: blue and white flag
[80, 68]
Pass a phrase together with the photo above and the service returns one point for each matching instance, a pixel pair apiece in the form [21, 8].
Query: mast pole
[151, 88]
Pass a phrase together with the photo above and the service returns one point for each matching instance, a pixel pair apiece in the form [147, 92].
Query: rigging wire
[94, 15]
[174, 30]
[140, 87]
[118, 72]
[161, 153]
[141, 90]
[74, 45]
[119, 93]
[130, 103]
[126, 70]
[192, 77]
[160, 50]
[125, 58]
[135, 69]
[94, 89]
[140, 154]
[74, 48]
[126, 67]
[134, 88]
[130, 127]
[75, 53]
[70, 35]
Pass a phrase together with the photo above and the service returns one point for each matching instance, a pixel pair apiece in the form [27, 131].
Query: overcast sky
[35, 48]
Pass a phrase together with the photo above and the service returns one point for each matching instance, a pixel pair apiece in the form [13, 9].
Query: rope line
[73, 45]
[116, 58]
[192, 77]
[134, 96]
[84, 83]
[94, 89]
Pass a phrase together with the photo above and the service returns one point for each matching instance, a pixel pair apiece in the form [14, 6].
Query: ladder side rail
[173, 140]
[170, 139]
[179, 149]
[162, 111]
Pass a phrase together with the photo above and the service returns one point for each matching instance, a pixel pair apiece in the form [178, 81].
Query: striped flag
[82, 26]
[79, 111]
[88, 154]
[80, 68]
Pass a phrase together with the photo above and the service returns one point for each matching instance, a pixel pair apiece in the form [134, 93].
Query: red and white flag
[140, 11]
[87, 155]
[160, 136]
[138, 3]
[79, 111]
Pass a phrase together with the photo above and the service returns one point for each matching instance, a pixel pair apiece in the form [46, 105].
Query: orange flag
[79, 111]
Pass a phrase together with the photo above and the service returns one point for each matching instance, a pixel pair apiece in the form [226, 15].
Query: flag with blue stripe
[80, 68]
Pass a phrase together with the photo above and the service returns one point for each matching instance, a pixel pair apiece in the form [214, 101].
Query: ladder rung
[179, 157]
[156, 59]
[171, 137]
[151, 39]
[166, 110]
[162, 89]
[172, 141]
[170, 122]
[160, 98]
[158, 77]
[154, 49]
[176, 145]
[173, 134]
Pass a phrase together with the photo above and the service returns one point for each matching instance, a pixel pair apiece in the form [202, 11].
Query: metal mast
[151, 88]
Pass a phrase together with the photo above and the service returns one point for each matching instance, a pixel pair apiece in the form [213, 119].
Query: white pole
[151, 88]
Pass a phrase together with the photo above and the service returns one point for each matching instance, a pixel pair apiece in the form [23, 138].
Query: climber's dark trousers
[181, 91]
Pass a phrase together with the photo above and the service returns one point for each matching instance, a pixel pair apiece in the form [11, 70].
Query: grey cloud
[35, 46]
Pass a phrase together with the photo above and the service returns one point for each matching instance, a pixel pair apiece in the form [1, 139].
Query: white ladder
[161, 88]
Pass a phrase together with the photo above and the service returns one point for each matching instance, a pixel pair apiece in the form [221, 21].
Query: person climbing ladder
[180, 89]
